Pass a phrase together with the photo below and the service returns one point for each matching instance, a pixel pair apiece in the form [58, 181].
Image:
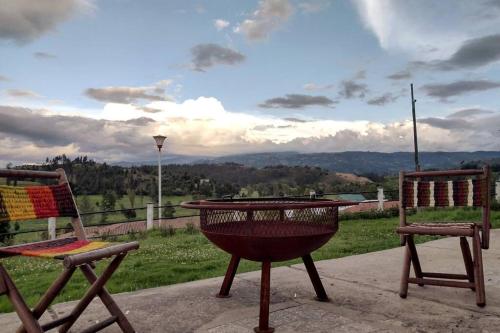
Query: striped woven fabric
[35, 202]
[450, 193]
[57, 249]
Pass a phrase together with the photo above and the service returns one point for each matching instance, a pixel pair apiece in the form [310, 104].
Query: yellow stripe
[17, 203]
[86, 248]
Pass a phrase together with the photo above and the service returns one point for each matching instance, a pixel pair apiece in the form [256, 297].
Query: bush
[370, 215]
[167, 231]
[128, 213]
[191, 229]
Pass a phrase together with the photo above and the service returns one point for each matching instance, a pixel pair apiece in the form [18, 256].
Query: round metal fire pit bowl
[267, 230]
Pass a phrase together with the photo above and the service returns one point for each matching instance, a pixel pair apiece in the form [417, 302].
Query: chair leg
[414, 258]
[229, 277]
[469, 265]
[94, 290]
[478, 269]
[50, 295]
[403, 289]
[108, 301]
[23, 311]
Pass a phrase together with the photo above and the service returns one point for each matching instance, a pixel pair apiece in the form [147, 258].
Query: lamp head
[159, 139]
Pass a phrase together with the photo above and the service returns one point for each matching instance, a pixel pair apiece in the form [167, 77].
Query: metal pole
[159, 187]
[415, 141]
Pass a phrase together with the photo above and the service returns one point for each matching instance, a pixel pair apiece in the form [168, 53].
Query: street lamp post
[159, 139]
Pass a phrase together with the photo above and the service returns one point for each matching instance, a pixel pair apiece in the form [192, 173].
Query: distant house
[350, 197]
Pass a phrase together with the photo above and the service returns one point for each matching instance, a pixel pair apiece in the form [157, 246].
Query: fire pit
[267, 230]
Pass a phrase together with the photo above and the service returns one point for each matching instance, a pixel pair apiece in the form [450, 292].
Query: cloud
[426, 29]
[204, 127]
[44, 55]
[317, 87]
[457, 88]
[205, 56]
[22, 93]
[24, 20]
[469, 113]
[4, 78]
[269, 16]
[473, 53]
[295, 120]
[382, 99]
[126, 95]
[314, 6]
[297, 101]
[221, 24]
[446, 123]
[353, 89]
[401, 75]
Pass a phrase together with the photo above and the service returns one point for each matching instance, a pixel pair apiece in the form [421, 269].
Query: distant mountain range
[357, 162]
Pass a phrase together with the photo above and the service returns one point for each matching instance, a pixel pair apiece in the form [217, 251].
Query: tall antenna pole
[415, 140]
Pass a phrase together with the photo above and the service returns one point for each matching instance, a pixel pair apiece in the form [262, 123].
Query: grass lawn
[164, 260]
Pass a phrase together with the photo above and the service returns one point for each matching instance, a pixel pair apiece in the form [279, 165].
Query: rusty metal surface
[268, 229]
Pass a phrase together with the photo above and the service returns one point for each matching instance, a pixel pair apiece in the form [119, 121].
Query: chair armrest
[84, 258]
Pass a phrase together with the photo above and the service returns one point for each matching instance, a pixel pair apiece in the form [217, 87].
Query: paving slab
[363, 293]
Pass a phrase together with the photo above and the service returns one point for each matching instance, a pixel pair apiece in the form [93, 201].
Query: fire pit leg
[229, 277]
[315, 279]
[265, 286]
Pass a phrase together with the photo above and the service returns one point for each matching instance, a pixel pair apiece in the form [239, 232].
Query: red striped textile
[444, 193]
[57, 249]
[36, 202]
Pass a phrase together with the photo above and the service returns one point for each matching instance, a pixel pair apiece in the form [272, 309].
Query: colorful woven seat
[76, 253]
[57, 249]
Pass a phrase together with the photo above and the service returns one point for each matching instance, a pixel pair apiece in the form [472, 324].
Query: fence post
[149, 216]
[380, 198]
[52, 228]
[497, 191]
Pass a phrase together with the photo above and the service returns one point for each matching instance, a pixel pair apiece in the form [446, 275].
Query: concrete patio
[363, 291]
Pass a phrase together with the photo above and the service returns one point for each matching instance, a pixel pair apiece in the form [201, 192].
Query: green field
[187, 256]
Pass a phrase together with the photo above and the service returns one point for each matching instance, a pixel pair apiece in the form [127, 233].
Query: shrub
[191, 228]
[168, 231]
[128, 213]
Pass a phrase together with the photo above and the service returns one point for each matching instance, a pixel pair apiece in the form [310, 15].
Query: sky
[218, 77]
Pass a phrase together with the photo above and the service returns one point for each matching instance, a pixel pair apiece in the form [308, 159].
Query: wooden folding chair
[35, 202]
[446, 189]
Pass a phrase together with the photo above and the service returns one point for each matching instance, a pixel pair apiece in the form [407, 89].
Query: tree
[108, 200]
[86, 207]
[168, 210]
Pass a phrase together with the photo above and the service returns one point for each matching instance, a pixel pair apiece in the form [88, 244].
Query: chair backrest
[19, 203]
[449, 188]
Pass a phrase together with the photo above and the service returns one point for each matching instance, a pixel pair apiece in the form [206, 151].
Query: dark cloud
[295, 120]
[383, 99]
[143, 121]
[44, 55]
[401, 75]
[25, 20]
[473, 53]
[297, 101]
[102, 138]
[446, 123]
[126, 95]
[353, 89]
[22, 93]
[445, 90]
[148, 109]
[471, 112]
[205, 56]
